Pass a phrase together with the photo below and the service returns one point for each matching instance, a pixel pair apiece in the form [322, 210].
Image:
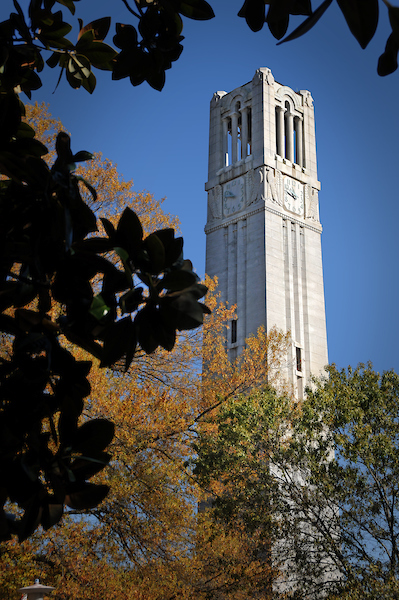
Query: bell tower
[263, 228]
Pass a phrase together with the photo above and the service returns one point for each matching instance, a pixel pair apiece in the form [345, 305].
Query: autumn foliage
[147, 539]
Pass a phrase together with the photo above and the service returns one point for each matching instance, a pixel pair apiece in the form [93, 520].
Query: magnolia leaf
[52, 513]
[361, 17]
[99, 309]
[129, 232]
[99, 27]
[85, 467]
[177, 280]
[68, 4]
[119, 338]
[308, 23]
[100, 55]
[87, 496]
[93, 436]
[254, 13]
[156, 254]
[82, 155]
[388, 61]
[196, 9]
[90, 83]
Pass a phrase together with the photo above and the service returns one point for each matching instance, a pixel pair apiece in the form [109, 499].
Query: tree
[317, 481]
[240, 493]
[351, 500]
[51, 266]
[50, 255]
[149, 49]
[146, 537]
[113, 193]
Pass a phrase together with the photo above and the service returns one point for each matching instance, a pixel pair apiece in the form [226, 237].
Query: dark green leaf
[68, 4]
[254, 13]
[82, 155]
[361, 17]
[85, 467]
[25, 131]
[129, 231]
[100, 28]
[99, 308]
[177, 280]
[52, 513]
[125, 37]
[53, 60]
[156, 254]
[100, 55]
[87, 184]
[388, 61]
[90, 83]
[308, 23]
[301, 7]
[196, 9]
[278, 19]
[87, 496]
[119, 339]
[109, 228]
[93, 436]
[95, 244]
[79, 67]
[154, 330]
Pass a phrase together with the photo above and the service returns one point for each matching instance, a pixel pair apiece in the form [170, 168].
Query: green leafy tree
[234, 454]
[351, 498]
[318, 482]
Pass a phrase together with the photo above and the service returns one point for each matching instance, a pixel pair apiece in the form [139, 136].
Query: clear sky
[160, 140]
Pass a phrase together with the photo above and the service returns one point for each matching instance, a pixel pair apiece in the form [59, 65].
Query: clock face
[233, 196]
[293, 195]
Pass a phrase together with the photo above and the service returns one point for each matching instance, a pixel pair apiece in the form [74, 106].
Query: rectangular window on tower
[298, 358]
[233, 339]
[249, 132]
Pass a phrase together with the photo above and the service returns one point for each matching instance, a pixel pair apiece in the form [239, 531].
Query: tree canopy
[147, 46]
[109, 294]
[316, 482]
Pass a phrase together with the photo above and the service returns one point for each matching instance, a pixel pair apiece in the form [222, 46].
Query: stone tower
[263, 229]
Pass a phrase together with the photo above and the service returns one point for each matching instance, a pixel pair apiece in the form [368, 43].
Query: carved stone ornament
[217, 96]
[273, 186]
[307, 99]
[269, 77]
[258, 77]
[256, 186]
[215, 203]
[311, 203]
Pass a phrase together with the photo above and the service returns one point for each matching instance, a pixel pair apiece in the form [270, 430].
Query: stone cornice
[239, 217]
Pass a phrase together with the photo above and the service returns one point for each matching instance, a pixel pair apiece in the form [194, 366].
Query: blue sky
[160, 140]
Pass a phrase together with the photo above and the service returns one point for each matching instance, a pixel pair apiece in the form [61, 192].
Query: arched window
[237, 134]
[289, 132]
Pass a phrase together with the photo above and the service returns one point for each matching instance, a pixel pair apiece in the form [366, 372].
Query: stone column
[299, 141]
[244, 132]
[234, 137]
[289, 135]
[280, 131]
[225, 147]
